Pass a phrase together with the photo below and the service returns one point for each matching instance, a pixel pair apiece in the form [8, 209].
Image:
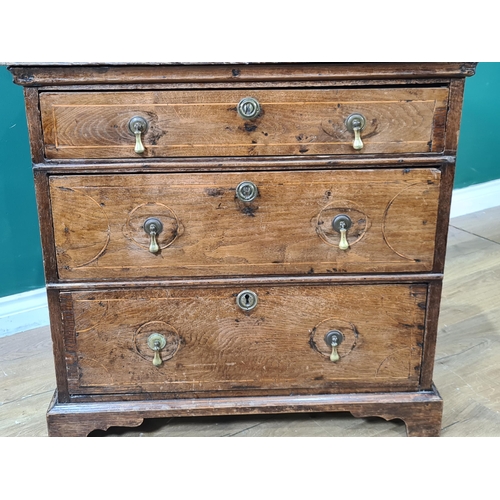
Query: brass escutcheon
[246, 191]
[248, 108]
[247, 300]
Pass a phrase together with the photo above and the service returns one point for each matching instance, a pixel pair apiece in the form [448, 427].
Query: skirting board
[28, 310]
[475, 198]
[23, 311]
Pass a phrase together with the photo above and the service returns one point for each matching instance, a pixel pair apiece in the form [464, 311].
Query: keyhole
[248, 108]
[246, 300]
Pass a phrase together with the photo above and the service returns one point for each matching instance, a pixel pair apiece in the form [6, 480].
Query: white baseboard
[29, 310]
[23, 311]
[475, 198]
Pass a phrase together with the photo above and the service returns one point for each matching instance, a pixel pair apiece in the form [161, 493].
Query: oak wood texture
[240, 164]
[455, 112]
[87, 174]
[206, 123]
[233, 73]
[421, 412]
[212, 345]
[467, 368]
[98, 223]
[34, 122]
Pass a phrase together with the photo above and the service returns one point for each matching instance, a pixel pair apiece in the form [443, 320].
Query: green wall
[20, 254]
[21, 266]
[477, 159]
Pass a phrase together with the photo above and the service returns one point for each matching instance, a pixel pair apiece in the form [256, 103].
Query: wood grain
[108, 293]
[44, 208]
[233, 73]
[421, 412]
[467, 369]
[34, 122]
[240, 164]
[206, 123]
[456, 98]
[280, 344]
[287, 230]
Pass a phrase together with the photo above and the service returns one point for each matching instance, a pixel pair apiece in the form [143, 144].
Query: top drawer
[201, 123]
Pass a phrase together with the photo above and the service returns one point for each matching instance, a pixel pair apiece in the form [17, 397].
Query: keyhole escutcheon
[247, 300]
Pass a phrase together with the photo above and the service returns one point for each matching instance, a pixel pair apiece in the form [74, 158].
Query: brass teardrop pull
[342, 224]
[153, 244]
[343, 245]
[333, 339]
[156, 342]
[153, 227]
[138, 126]
[356, 123]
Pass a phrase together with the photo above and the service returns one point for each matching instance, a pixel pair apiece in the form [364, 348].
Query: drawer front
[208, 231]
[207, 123]
[207, 343]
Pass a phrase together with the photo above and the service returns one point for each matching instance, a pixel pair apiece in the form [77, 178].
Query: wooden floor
[467, 370]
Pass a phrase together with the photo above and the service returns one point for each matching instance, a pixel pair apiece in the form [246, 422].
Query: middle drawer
[210, 224]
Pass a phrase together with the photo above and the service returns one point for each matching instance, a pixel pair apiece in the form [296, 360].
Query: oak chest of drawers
[243, 238]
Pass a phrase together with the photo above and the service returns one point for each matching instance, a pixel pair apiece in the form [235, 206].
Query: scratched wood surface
[40, 74]
[207, 231]
[467, 369]
[212, 345]
[206, 123]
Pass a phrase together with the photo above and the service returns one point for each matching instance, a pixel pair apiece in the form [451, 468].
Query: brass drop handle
[156, 342]
[356, 123]
[153, 227]
[342, 224]
[343, 245]
[333, 339]
[138, 126]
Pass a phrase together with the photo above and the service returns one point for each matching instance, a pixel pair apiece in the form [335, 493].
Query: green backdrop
[21, 266]
[20, 253]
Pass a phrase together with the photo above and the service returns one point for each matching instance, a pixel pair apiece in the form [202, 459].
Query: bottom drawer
[189, 341]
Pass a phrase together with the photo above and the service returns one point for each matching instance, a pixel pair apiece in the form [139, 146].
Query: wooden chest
[243, 238]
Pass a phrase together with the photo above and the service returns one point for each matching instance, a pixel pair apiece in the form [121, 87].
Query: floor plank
[484, 223]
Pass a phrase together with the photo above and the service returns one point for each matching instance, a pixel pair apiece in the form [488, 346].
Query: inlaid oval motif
[81, 228]
[172, 338]
[324, 228]
[134, 227]
[348, 330]
[409, 224]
